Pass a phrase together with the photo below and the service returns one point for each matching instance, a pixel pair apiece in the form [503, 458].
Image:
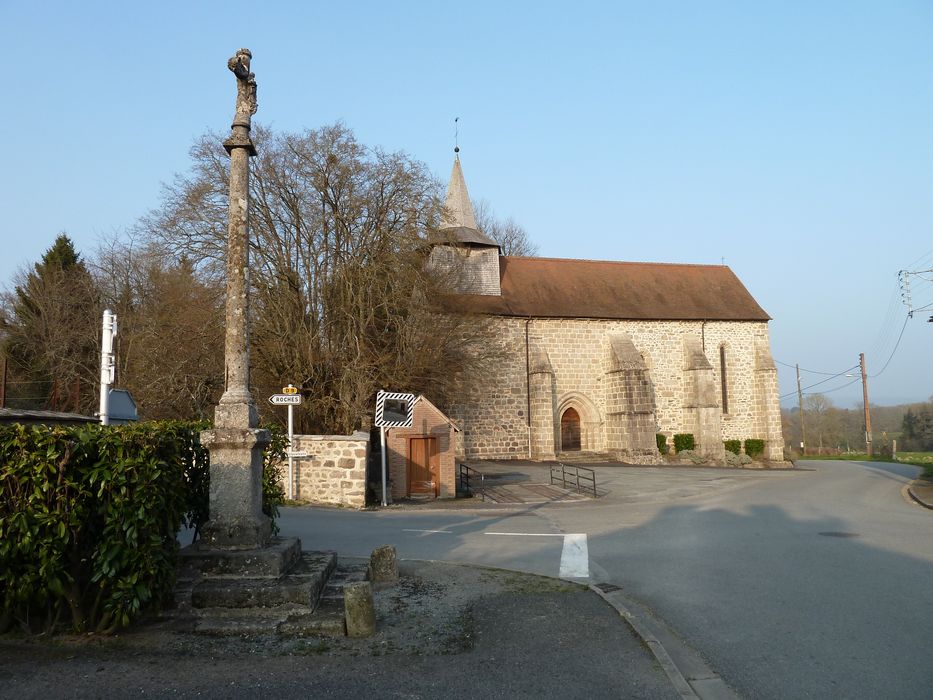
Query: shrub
[694, 457]
[273, 473]
[661, 440]
[754, 448]
[684, 441]
[737, 460]
[89, 518]
[733, 446]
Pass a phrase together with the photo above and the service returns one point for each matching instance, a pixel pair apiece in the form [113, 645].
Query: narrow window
[722, 377]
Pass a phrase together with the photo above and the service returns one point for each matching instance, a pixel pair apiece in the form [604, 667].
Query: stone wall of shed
[335, 473]
[493, 411]
[426, 422]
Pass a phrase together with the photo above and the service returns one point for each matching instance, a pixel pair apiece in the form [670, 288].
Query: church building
[601, 356]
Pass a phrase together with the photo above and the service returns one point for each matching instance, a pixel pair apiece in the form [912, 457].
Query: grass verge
[924, 460]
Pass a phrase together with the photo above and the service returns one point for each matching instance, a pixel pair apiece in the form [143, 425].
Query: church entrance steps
[582, 457]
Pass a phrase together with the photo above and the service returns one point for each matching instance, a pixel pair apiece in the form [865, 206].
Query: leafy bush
[684, 441]
[273, 493]
[737, 460]
[661, 439]
[694, 457]
[733, 446]
[89, 518]
[754, 448]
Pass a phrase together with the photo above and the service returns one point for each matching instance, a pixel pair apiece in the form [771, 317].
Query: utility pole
[861, 359]
[803, 431]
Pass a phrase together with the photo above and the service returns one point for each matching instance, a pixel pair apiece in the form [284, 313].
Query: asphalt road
[815, 583]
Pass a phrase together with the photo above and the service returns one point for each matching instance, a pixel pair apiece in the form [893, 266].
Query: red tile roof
[560, 288]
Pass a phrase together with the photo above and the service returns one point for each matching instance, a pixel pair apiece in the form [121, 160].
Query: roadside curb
[921, 492]
[694, 679]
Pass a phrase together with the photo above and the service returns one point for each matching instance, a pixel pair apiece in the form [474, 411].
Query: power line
[896, 346]
[812, 371]
[823, 381]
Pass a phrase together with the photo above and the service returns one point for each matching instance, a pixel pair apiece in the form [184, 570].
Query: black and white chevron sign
[394, 410]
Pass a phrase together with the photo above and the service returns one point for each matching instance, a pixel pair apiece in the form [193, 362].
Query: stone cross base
[237, 520]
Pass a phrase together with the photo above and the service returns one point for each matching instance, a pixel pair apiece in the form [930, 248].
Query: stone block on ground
[383, 566]
[359, 610]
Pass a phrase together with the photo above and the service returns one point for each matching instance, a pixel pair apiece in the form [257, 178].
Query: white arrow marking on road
[574, 557]
[447, 532]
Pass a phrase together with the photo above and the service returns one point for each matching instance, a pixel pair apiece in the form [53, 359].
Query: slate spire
[458, 221]
[459, 209]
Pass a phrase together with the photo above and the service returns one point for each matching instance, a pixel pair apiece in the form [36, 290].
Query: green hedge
[684, 441]
[661, 440]
[754, 448]
[733, 446]
[89, 518]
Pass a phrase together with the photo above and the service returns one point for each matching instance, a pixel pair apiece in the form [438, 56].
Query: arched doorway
[570, 430]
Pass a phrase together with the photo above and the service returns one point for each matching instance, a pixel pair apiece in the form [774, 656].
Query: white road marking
[447, 532]
[574, 557]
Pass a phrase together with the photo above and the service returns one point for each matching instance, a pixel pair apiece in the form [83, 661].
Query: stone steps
[302, 586]
[231, 593]
[584, 457]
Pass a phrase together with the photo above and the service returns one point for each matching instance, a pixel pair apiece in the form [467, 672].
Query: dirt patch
[429, 612]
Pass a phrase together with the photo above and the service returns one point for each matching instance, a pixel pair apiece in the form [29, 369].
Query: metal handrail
[571, 479]
[467, 477]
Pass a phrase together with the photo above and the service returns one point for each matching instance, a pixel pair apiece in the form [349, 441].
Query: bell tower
[471, 257]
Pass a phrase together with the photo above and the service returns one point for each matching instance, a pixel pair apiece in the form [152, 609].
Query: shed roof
[29, 417]
[562, 288]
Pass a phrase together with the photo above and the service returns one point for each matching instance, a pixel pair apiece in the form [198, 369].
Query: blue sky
[794, 140]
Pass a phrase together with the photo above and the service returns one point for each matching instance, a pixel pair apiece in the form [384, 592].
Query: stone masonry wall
[493, 412]
[336, 471]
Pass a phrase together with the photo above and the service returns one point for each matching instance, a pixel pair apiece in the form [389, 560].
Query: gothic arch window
[723, 379]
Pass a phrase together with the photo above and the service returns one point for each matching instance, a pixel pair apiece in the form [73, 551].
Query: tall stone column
[235, 443]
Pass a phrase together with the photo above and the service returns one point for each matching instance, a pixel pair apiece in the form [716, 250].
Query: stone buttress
[702, 413]
[631, 423]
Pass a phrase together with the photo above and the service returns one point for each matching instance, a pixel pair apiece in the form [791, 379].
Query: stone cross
[235, 443]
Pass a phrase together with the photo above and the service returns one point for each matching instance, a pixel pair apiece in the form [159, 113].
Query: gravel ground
[444, 630]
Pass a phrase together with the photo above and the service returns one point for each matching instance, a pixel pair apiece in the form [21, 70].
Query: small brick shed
[420, 459]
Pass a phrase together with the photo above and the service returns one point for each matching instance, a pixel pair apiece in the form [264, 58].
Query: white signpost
[107, 364]
[291, 398]
[393, 410]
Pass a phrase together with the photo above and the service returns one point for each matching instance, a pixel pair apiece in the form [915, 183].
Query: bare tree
[509, 234]
[342, 303]
[170, 344]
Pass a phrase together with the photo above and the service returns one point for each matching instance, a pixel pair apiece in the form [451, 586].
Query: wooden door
[570, 430]
[422, 468]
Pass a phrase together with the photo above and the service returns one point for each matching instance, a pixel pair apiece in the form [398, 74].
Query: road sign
[296, 455]
[285, 399]
[289, 389]
[394, 410]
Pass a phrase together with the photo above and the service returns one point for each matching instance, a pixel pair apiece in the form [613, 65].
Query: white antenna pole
[107, 364]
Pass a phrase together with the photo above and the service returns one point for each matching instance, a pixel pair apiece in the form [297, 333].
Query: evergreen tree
[50, 332]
